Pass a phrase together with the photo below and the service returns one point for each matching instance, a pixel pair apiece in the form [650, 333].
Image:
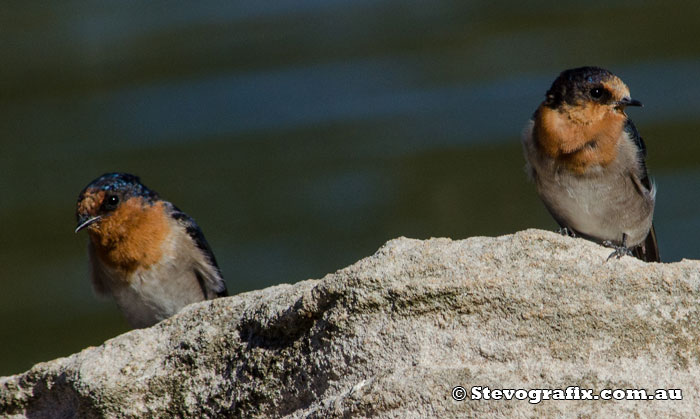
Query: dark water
[304, 134]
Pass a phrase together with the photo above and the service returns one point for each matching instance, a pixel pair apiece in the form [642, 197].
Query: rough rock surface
[392, 335]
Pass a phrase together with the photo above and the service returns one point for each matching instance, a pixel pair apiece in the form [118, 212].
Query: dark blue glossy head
[120, 182]
[582, 85]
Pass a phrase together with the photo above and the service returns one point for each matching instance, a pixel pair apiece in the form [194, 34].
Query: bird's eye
[111, 202]
[596, 93]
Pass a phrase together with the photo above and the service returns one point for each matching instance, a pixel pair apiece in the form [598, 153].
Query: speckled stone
[391, 335]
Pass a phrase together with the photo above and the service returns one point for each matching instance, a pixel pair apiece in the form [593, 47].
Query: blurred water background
[303, 134]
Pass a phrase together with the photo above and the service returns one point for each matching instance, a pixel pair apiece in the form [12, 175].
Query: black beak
[629, 102]
[84, 221]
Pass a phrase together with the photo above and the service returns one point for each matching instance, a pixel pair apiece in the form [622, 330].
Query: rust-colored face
[105, 194]
[582, 118]
[618, 90]
[89, 208]
[126, 221]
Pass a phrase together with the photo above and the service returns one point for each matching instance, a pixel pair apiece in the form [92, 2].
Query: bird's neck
[132, 236]
[579, 138]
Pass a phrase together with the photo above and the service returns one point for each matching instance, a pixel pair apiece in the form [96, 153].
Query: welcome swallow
[587, 160]
[148, 255]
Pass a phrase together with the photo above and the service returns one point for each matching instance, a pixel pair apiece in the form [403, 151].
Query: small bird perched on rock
[146, 253]
[587, 160]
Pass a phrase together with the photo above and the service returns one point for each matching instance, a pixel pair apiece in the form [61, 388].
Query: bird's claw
[566, 232]
[620, 250]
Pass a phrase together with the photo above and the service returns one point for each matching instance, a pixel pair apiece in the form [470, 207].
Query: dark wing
[639, 142]
[648, 251]
[210, 279]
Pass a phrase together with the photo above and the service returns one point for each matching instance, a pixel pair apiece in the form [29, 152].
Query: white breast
[149, 295]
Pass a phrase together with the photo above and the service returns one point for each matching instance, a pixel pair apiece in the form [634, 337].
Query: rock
[393, 334]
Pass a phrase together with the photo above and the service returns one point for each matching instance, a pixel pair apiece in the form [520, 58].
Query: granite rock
[393, 334]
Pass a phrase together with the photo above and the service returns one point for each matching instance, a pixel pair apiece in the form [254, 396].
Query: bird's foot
[620, 249]
[566, 232]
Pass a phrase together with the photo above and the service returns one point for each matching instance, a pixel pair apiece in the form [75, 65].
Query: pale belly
[150, 297]
[601, 207]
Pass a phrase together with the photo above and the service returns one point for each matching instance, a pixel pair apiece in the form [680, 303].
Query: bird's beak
[626, 101]
[85, 221]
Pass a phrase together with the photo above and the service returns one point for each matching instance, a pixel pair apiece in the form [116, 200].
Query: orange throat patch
[580, 136]
[131, 237]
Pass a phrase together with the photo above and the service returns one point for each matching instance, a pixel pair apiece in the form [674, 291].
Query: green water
[302, 135]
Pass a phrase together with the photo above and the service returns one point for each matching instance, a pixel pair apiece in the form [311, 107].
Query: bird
[147, 254]
[588, 162]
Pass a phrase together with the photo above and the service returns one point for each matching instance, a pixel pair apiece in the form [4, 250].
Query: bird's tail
[648, 251]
